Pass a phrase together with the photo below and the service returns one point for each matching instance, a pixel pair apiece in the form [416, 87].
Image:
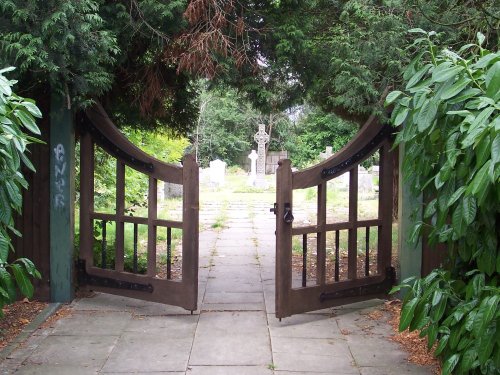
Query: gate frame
[97, 128]
[372, 137]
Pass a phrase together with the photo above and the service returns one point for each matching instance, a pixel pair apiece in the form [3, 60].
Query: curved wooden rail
[362, 146]
[107, 135]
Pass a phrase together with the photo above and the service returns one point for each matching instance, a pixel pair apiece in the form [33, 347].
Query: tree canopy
[139, 57]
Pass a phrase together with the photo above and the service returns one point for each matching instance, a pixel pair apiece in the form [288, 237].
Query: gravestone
[253, 167]
[217, 172]
[328, 152]
[261, 137]
[365, 182]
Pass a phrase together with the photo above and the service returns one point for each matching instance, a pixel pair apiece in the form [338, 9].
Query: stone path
[233, 333]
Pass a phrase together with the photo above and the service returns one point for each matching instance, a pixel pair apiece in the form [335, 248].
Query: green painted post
[62, 186]
[410, 210]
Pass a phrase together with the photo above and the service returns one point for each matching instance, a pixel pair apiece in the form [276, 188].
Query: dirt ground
[16, 317]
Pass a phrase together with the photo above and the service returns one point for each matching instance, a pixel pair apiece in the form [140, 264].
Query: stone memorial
[365, 182]
[217, 172]
[328, 152]
[261, 137]
[253, 167]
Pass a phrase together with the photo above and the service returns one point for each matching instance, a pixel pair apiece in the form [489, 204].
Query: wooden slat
[168, 223]
[190, 217]
[120, 211]
[321, 236]
[336, 226]
[384, 252]
[86, 198]
[352, 246]
[152, 213]
[283, 239]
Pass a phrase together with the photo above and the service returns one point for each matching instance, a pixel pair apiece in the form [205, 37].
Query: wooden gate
[343, 272]
[117, 271]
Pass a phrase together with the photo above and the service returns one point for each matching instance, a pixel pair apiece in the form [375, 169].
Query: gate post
[409, 211]
[62, 187]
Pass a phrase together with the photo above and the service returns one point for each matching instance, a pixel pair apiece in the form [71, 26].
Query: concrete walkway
[233, 333]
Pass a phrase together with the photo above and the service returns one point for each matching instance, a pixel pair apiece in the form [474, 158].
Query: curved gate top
[114, 277]
[351, 279]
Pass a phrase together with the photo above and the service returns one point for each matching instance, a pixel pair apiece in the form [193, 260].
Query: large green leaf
[22, 280]
[485, 314]
[27, 120]
[467, 361]
[407, 314]
[486, 344]
[441, 75]
[32, 108]
[456, 88]
[427, 114]
[418, 76]
[7, 283]
[495, 149]
[392, 97]
[477, 127]
[469, 209]
[492, 80]
[4, 248]
[450, 364]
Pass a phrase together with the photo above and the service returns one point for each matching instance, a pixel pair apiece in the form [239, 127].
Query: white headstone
[253, 167]
[217, 172]
[365, 183]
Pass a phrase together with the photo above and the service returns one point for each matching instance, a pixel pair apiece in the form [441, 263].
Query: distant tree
[315, 131]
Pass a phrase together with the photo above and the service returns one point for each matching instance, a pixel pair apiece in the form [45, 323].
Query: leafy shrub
[16, 115]
[451, 130]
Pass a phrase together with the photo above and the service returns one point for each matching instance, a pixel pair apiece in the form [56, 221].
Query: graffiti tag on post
[59, 176]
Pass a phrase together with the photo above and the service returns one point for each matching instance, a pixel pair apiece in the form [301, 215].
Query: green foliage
[110, 50]
[226, 126]
[449, 111]
[17, 117]
[162, 146]
[316, 130]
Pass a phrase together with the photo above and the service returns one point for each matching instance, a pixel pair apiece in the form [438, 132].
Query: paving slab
[314, 363]
[229, 370]
[334, 347]
[230, 297]
[304, 326]
[79, 351]
[231, 338]
[170, 327]
[140, 353]
[88, 323]
[56, 370]
[373, 351]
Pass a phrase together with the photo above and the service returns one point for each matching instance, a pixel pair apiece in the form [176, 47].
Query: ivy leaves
[449, 117]
[16, 115]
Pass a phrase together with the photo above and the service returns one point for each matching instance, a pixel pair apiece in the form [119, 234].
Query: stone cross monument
[261, 137]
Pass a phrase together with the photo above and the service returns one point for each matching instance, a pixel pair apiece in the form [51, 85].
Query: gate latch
[288, 217]
[274, 210]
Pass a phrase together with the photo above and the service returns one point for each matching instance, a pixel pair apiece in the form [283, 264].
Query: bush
[451, 129]
[16, 115]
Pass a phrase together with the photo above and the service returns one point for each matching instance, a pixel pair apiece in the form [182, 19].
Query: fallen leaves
[16, 317]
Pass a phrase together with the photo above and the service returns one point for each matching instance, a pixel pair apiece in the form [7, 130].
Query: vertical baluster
[304, 260]
[367, 248]
[103, 244]
[135, 248]
[352, 247]
[169, 253]
[337, 254]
